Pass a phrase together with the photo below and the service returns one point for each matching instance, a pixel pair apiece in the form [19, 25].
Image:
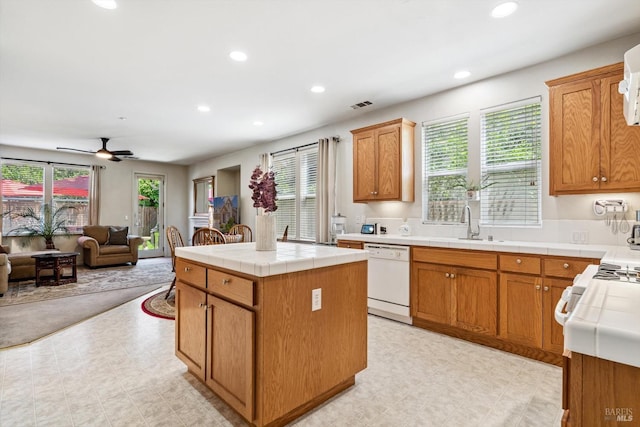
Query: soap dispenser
[404, 229]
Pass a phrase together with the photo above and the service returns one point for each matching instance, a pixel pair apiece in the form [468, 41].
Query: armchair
[104, 245]
[5, 270]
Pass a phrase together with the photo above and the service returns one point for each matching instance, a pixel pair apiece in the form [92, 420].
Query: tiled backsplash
[560, 231]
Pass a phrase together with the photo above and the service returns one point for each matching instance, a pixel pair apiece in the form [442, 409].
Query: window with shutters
[511, 164]
[296, 173]
[445, 160]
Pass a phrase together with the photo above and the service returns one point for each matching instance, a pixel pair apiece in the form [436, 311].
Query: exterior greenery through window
[296, 175]
[30, 185]
[511, 164]
[445, 156]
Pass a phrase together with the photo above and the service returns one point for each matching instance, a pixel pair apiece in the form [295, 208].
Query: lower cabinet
[462, 297]
[521, 309]
[214, 338]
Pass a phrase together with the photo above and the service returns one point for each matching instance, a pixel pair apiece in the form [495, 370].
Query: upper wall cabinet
[383, 157]
[591, 148]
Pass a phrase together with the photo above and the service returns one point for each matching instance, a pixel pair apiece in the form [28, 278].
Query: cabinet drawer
[235, 288]
[457, 258]
[565, 267]
[193, 274]
[520, 264]
[350, 244]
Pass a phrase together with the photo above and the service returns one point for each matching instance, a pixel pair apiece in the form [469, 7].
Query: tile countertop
[287, 258]
[605, 252]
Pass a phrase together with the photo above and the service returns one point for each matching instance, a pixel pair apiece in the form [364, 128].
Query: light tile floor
[119, 369]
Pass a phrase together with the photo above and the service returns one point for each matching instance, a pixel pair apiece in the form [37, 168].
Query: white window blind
[296, 176]
[445, 157]
[511, 164]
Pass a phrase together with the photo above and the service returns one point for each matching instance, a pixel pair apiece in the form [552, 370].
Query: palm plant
[46, 223]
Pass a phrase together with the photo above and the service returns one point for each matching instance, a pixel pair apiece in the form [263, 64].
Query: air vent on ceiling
[361, 104]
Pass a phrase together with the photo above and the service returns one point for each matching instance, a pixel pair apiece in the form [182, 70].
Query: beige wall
[470, 98]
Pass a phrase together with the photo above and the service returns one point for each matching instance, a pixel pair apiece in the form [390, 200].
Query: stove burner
[616, 272]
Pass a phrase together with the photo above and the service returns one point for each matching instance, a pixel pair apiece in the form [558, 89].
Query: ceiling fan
[103, 153]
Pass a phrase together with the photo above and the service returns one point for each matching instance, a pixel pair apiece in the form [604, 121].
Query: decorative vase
[265, 233]
[473, 195]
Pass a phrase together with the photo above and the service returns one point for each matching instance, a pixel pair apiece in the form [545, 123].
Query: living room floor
[119, 369]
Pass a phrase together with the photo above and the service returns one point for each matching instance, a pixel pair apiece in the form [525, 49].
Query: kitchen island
[272, 333]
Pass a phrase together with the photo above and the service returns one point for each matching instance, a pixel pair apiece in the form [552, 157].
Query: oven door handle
[558, 314]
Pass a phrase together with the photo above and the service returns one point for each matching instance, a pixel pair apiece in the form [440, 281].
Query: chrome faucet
[471, 235]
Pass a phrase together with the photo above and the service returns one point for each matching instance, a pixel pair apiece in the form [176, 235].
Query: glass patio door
[148, 214]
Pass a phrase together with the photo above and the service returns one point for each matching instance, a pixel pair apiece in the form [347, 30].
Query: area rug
[147, 272]
[157, 306]
[28, 313]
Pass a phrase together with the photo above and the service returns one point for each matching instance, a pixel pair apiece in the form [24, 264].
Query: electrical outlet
[316, 299]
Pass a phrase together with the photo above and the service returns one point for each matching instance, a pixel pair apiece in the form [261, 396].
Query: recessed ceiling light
[236, 55]
[258, 123]
[204, 108]
[123, 118]
[504, 9]
[462, 74]
[317, 89]
[105, 4]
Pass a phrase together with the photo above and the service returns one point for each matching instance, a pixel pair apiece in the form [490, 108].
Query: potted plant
[45, 223]
[471, 187]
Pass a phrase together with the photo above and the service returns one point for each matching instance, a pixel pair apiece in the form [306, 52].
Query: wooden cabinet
[592, 150]
[258, 343]
[352, 244]
[383, 162]
[599, 392]
[527, 301]
[214, 337]
[466, 298]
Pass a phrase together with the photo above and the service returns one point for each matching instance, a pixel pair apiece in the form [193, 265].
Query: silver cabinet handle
[453, 276]
[202, 304]
[546, 288]
[565, 265]
[594, 179]
[538, 287]
[603, 179]
[518, 261]
[226, 281]
[447, 275]
[187, 269]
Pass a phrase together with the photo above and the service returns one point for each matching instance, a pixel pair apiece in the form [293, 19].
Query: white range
[605, 321]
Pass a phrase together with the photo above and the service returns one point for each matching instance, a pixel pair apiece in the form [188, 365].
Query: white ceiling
[69, 69]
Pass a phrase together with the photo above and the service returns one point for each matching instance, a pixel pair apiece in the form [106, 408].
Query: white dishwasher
[388, 277]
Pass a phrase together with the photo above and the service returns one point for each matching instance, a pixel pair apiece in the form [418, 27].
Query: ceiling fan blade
[122, 153]
[75, 149]
[115, 159]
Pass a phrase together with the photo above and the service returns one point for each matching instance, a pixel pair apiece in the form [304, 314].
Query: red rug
[157, 306]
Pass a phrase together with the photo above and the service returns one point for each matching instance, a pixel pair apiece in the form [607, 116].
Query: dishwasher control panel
[400, 253]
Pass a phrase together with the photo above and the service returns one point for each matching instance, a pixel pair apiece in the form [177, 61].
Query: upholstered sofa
[23, 266]
[108, 245]
[5, 270]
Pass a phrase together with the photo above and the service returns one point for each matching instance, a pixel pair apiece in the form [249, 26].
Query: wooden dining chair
[174, 239]
[208, 236]
[244, 230]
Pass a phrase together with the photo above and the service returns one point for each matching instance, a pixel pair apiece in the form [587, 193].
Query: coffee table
[56, 262]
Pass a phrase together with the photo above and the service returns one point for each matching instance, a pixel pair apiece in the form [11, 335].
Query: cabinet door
[552, 335]
[521, 309]
[389, 163]
[431, 292]
[191, 317]
[230, 354]
[575, 137]
[475, 300]
[364, 166]
[619, 143]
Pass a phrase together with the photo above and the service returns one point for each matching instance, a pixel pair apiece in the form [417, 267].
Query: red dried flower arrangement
[263, 187]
